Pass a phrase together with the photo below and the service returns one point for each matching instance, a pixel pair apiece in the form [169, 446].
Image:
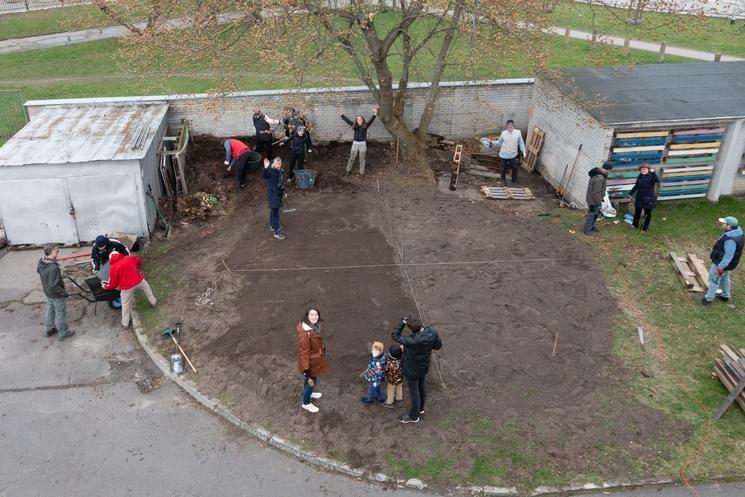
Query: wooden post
[717, 57]
[567, 35]
[662, 51]
[594, 37]
[626, 43]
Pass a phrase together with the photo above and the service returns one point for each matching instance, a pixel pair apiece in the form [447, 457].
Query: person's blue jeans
[307, 389]
[57, 316]
[274, 220]
[510, 164]
[716, 281]
[375, 392]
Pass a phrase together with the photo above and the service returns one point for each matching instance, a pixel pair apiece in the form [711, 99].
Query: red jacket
[123, 273]
[237, 148]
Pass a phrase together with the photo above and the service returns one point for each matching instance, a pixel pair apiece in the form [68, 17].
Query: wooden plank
[686, 183]
[734, 393]
[645, 148]
[703, 151]
[681, 197]
[710, 131]
[642, 134]
[682, 271]
[455, 167]
[725, 376]
[688, 139]
[699, 269]
[689, 160]
[484, 174]
[634, 142]
[668, 170]
[685, 146]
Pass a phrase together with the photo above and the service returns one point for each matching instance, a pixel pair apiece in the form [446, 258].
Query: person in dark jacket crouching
[299, 142]
[54, 288]
[645, 195]
[418, 348]
[724, 258]
[595, 194]
[274, 191]
[102, 249]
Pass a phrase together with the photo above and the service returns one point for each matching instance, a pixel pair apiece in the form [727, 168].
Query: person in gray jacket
[54, 288]
[595, 195]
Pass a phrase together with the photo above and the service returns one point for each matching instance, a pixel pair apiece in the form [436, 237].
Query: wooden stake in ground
[641, 335]
[556, 341]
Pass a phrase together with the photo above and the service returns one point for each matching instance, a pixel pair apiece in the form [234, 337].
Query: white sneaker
[316, 395]
[310, 408]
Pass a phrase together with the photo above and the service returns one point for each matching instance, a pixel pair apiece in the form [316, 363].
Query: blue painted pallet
[696, 138]
[634, 142]
[685, 178]
[656, 155]
[676, 193]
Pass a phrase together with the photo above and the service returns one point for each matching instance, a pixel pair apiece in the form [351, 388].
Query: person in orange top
[311, 356]
[125, 276]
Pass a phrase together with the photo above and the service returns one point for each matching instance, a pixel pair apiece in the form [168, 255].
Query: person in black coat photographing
[418, 349]
[645, 195]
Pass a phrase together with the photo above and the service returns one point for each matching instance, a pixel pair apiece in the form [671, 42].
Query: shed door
[37, 211]
[104, 204]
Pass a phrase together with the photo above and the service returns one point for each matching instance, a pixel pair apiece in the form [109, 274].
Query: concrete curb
[325, 463]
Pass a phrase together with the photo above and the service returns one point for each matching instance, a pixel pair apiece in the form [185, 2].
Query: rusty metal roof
[84, 133]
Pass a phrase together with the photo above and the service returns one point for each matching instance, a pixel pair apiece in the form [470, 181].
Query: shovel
[288, 206]
[171, 332]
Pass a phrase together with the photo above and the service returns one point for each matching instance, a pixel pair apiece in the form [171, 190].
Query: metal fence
[13, 114]
[8, 6]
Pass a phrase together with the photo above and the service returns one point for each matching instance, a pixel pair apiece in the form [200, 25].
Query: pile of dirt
[500, 284]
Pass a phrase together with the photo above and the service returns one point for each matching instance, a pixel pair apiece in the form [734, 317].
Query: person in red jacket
[125, 276]
[236, 154]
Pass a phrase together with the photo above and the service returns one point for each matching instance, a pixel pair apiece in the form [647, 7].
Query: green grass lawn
[673, 372]
[707, 34]
[93, 69]
[42, 22]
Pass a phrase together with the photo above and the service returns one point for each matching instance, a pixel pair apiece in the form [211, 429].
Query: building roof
[657, 92]
[84, 133]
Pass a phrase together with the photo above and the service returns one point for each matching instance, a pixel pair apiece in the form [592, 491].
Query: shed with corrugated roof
[77, 171]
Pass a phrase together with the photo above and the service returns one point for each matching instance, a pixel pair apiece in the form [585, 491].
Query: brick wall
[463, 110]
[567, 126]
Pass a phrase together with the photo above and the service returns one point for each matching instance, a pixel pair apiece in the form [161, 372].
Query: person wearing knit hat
[595, 195]
[374, 374]
[725, 255]
[645, 195]
[102, 248]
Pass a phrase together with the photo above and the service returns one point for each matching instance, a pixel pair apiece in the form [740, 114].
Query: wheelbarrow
[93, 292]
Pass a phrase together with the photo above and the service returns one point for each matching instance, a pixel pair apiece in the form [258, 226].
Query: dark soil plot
[499, 287]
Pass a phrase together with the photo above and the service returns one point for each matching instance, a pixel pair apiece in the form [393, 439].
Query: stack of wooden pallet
[730, 370]
[692, 272]
[485, 165]
[505, 193]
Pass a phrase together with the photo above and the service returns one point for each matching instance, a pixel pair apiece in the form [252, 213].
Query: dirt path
[499, 321]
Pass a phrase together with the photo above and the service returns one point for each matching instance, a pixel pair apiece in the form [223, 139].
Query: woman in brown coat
[311, 356]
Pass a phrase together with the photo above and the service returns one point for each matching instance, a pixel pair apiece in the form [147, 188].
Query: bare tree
[390, 43]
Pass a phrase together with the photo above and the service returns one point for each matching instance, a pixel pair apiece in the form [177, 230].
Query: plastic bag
[606, 208]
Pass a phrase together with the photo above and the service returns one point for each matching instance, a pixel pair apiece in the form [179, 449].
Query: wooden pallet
[691, 271]
[506, 193]
[535, 142]
[455, 168]
[730, 370]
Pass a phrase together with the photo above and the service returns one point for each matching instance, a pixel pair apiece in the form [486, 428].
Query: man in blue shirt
[724, 258]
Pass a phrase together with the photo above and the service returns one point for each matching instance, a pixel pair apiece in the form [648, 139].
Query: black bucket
[254, 162]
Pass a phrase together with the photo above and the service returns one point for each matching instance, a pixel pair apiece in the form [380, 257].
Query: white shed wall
[464, 109]
[71, 203]
[567, 126]
[150, 175]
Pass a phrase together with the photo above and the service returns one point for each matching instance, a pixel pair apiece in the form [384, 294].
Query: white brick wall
[463, 110]
[566, 126]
